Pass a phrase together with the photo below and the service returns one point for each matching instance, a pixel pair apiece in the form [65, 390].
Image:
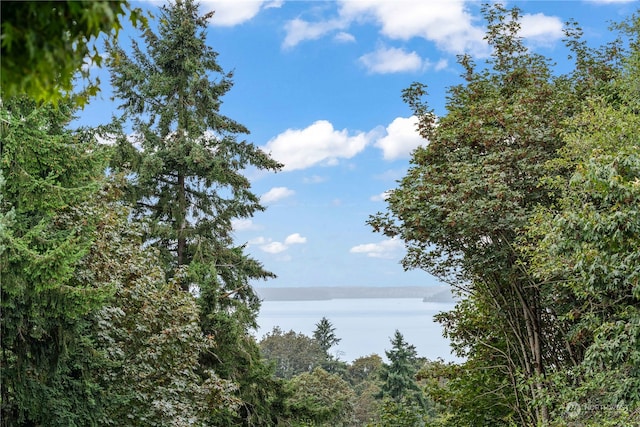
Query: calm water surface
[365, 325]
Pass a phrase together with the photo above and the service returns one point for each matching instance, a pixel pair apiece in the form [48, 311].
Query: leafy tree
[320, 398]
[364, 376]
[45, 43]
[148, 335]
[399, 413]
[364, 369]
[470, 194]
[588, 245]
[292, 353]
[187, 180]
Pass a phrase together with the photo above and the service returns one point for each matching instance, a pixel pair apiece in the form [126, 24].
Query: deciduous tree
[471, 192]
[588, 247]
[320, 398]
[292, 353]
[46, 43]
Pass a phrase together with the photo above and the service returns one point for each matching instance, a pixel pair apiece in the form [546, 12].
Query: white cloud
[294, 238]
[344, 37]
[391, 60]
[258, 241]
[275, 194]
[317, 144]
[401, 139]
[273, 247]
[541, 29]
[386, 249]
[441, 65]
[381, 197]
[242, 224]
[314, 179]
[448, 24]
[234, 12]
[299, 30]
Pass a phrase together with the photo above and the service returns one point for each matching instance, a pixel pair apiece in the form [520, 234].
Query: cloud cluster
[274, 247]
[321, 144]
[389, 248]
[243, 224]
[447, 24]
[540, 29]
[317, 144]
[392, 60]
[380, 197]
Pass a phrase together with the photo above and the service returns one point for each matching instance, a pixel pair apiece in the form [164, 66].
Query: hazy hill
[427, 293]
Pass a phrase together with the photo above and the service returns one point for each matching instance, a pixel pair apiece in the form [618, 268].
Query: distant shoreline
[440, 294]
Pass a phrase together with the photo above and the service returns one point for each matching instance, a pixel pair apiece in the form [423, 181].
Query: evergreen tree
[325, 335]
[186, 163]
[403, 403]
[53, 178]
[399, 376]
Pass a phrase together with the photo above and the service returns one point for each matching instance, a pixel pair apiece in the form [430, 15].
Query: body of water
[364, 325]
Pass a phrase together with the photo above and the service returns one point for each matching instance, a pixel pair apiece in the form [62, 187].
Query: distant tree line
[323, 390]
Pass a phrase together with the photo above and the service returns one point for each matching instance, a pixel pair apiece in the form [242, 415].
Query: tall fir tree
[53, 178]
[186, 161]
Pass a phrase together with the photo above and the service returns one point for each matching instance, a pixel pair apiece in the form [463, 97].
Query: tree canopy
[46, 43]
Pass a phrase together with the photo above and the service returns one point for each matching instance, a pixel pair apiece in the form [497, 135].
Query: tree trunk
[182, 218]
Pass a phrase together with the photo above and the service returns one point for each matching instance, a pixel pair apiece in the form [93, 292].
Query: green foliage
[150, 338]
[471, 193]
[363, 369]
[45, 43]
[588, 247]
[400, 413]
[403, 403]
[292, 353]
[186, 162]
[364, 376]
[398, 378]
[320, 399]
[54, 178]
[325, 334]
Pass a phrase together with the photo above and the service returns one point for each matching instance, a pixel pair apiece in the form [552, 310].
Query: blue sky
[318, 83]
